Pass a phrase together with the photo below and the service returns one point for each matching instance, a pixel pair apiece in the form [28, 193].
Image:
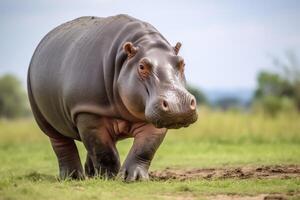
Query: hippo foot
[101, 171]
[105, 173]
[134, 172]
[75, 174]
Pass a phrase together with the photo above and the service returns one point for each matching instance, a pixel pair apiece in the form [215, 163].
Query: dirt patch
[229, 197]
[263, 172]
[258, 197]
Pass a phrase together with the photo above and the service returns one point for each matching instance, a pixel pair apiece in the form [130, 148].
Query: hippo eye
[142, 67]
[144, 70]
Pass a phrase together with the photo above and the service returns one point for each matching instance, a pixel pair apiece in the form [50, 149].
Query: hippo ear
[177, 47]
[129, 49]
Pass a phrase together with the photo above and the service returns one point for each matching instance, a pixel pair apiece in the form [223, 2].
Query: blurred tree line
[279, 90]
[198, 94]
[13, 100]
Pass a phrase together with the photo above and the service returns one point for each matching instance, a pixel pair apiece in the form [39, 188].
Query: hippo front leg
[147, 139]
[103, 158]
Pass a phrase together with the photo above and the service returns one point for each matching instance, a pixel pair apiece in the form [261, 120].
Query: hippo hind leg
[64, 148]
[68, 158]
[66, 152]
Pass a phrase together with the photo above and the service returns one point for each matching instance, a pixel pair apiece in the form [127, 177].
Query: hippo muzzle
[175, 108]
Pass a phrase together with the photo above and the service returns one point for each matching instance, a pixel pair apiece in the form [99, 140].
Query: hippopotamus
[102, 79]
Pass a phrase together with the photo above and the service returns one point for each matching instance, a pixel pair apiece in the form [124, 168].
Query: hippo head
[152, 86]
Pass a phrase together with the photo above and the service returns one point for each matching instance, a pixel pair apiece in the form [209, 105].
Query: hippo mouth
[175, 122]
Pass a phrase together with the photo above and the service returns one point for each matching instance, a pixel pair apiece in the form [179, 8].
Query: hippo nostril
[165, 105]
[193, 104]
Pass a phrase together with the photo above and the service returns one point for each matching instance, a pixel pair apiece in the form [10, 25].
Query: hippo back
[75, 68]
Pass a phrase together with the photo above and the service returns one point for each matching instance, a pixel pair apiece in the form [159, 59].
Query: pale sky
[225, 43]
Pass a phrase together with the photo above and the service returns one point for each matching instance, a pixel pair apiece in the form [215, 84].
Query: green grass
[48, 188]
[28, 166]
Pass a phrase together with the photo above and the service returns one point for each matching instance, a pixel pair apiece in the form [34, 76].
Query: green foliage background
[13, 102]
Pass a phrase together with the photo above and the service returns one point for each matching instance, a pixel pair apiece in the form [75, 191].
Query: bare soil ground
[258, 197]
[263, 172]
[236, 197]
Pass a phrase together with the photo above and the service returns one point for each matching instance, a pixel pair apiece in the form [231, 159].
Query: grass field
[28, 167]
